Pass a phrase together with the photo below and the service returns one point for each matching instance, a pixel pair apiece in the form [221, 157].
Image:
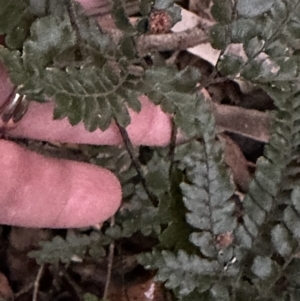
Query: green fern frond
[63, 250]
[16, 18]
[87, 83]
[182, 272]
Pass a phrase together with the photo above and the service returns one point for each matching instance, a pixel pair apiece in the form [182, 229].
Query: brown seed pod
[159, 22]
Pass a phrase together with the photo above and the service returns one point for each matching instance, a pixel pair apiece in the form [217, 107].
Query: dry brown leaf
[190, 20]
[145, 291]
[237, 162]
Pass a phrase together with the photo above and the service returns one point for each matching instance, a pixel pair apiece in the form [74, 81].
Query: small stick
[171, 41]
[37, 282]
[24, 290]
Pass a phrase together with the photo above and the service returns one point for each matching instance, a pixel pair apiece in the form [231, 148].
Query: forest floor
[242, 121]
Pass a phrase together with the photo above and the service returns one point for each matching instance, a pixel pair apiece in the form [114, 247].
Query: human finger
[37, 191]
[151, 126]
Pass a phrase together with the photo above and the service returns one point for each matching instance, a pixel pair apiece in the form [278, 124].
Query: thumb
[37, 191]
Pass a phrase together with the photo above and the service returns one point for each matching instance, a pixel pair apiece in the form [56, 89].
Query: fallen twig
[146, 43]
[36, 284]
[170, 41]
[250, 123]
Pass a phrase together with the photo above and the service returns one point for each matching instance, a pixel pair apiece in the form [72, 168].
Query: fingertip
[42, 192]
[95, 196]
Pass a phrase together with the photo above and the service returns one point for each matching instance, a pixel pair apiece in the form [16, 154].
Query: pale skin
[38, 191]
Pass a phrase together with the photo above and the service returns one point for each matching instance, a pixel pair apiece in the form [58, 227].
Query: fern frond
[16, 18]
[186, 271]
[63, 250]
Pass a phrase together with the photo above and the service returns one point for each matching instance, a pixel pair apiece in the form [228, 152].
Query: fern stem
[172, 145]
[73, 19]
[110, 262]
[129, 147]
[208, 203]
[285, 265]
